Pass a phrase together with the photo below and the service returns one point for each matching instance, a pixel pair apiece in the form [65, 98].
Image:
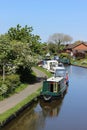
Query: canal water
[68, 113]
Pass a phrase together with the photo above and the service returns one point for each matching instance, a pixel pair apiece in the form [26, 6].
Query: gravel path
[17, 98]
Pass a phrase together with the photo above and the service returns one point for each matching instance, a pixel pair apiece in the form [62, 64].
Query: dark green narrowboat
[65, 60]
[55, 86]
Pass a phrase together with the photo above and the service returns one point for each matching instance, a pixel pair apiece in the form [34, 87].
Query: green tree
[22, 54]
[58, 39]
[19, 49]
[4, 52]
[24, 35]
[35, 45]
[52, 48]
[20, 33]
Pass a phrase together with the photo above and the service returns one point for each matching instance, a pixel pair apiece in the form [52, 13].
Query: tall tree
[24, 35]
[67, 39]
[58, 39]
[4, 52]
[20, 33]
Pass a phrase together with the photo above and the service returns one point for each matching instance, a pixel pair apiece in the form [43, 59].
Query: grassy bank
[44, 70]
[80, 62]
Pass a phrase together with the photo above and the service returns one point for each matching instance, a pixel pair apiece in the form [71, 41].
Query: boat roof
[52, 61]
[55, 79]
[59, 68]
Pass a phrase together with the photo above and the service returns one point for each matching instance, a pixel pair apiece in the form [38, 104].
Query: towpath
[10, 102]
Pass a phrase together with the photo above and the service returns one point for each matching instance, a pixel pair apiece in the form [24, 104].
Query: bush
[65, 58]
[26, 75]
[1, 80]
[64, 55]
[3, 89]
[79, 55]
[12, 82]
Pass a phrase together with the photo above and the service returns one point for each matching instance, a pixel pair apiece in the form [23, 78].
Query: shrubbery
[79, 55]
[65, 58]
[12, 82]
[64, 55]
[9, 85]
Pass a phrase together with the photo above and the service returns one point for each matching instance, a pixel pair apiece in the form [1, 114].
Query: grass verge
[20, 88]
[44, 70]
[81, 62]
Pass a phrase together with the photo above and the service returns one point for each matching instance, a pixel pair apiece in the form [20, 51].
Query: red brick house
[80, 47]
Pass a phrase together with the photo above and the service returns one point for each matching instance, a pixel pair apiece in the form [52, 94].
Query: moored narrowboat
[65, 60]
[55, 86]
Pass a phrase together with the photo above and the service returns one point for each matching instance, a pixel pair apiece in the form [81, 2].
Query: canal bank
[12, 106]
[79, 65]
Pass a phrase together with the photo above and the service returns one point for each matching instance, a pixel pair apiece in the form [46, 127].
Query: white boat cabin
[49, 64]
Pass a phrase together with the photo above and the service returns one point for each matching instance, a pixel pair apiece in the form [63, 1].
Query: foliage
[24, 35]
[9, 85]
[19, 47]
[52, 48]
[26, 75]
[65, 58]
[22, 54]
[3, 89]
[79, 55]
[20, 33]
[58, 39]
[4, 50]
[64, 55]
[12, 81]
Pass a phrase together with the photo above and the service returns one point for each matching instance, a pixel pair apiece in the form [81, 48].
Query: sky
[46, 17]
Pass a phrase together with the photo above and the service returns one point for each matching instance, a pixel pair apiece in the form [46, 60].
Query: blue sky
[46, 17]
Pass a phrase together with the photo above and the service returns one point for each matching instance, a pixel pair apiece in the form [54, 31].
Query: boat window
[51, 87]
[53, 64]
[60, 64]
[55, 87]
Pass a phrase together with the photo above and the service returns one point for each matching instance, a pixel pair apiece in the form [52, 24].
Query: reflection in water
[26, 121]
[51, 109]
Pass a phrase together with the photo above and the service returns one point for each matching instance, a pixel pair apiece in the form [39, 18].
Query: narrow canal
[69, 113]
